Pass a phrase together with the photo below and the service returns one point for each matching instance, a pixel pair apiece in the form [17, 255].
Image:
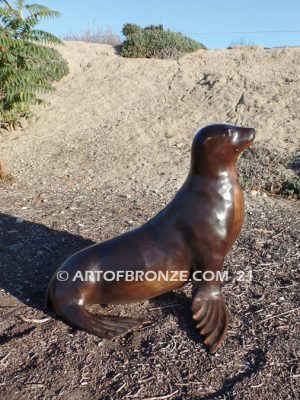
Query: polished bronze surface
[192, 233]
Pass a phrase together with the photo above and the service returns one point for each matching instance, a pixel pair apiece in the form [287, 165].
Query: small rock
[169, 134]
[254, 193]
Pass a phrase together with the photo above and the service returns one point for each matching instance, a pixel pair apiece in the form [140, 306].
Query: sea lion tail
[104, 326]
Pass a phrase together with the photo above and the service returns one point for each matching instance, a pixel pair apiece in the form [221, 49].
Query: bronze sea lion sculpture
[192, 233]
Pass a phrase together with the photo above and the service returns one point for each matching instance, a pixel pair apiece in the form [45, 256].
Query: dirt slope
[107, 154]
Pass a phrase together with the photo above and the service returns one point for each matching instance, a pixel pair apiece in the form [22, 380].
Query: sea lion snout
[242, 137]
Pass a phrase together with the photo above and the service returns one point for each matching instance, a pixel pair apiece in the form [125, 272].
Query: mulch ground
[43, 358]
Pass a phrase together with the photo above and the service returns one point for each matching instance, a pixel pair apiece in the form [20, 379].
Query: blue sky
[201, 20]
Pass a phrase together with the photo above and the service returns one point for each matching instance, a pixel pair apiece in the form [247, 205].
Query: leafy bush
[154, 28]
[28, 67]
[131, 29]
[154, 42]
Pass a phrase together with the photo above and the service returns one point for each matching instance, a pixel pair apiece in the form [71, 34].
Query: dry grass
[97, 35]
[242, 44]
[245, 47]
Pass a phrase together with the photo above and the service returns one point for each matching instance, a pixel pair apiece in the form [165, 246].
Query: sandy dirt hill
[109, 152]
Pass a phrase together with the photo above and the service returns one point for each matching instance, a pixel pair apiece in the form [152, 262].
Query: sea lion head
[220, 144]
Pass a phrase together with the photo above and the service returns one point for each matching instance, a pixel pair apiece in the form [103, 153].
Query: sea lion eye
[228, 132]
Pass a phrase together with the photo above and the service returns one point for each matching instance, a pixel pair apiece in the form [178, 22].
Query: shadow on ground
[29, 254]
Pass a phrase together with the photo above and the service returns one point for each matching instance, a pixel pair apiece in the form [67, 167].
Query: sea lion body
[193, 232]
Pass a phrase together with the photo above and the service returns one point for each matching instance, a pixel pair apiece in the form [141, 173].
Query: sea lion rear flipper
[104, 326]
[211, 314]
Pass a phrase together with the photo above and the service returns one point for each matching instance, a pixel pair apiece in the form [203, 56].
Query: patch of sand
[110, 113]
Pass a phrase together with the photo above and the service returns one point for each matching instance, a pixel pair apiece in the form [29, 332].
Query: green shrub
[27, 66]
[154, 42]
[291, 187]
[154, 28]
[130, 29]
[53, 65]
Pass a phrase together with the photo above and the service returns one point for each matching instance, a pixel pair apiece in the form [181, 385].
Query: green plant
[27, 65]
[245, 182]
[159, 27]
[291, 187]
[154, 42]
[131, 29]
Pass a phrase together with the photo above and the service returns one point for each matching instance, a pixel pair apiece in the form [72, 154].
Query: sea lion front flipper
[211, 314]
[104, 326]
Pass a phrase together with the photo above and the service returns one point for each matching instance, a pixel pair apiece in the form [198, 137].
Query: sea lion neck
[213, 168]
